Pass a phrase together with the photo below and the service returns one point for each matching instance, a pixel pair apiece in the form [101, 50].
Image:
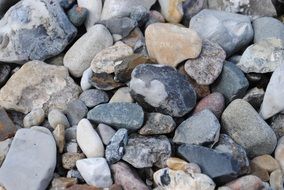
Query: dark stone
[93, 97]
[277, 125]
[4, 74]
[5, 5]
[76, 110]
[77, 15]
[104, 81]
[67, 4]
[165, 178]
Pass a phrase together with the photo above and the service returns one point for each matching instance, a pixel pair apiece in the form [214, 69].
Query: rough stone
[69, 159]
[75, 111]
[277, 125]
[7, 127]
[255, 97]
[34, 118]
[56, 117]
[59, 137]
[172, 10]
[105, 132]
[4, 74]
[93, 97]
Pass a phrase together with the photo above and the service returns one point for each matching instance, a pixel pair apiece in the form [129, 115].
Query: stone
[172, 10]
[71, 147]
[73, 173]
[155, 17]
[262, 57]
[104, 81]
[118, 115]
[39, 85]
[112, 8]
[59, 137]
[116, 146]
[161, 40]
[232, 83]
[16, 117]
[70, 133]
[126, 177]
[105, 132]
[77, 15]
[179, 164]
[78, 58]
[169, 179]
[67, 4]
[136, 41]
[57, 117]
[5, 5]
[215, 102]
[75, 111]
[203, 128]
[5, 71]
[94, 11]
[122, 95]
[272, 102]
[140, 14]
[259, 172]
[248, 182]
[157, 124]
[83, 187]
[34, 118]
[208, 66]
[62, 183]
[276, 180]
[34, 150]
[279, 152]
[255, 97]
[277, 125]
[88, 168]
[214, 26]
[279, 5]
[34, 37]
[191, 8]
[156, 149]
[4, 148]
[94, 97]
[241, 122]
[266, 162]
[7, 127]
[89, 140]
[85, 80]
[56, 60]
[266, 28]
[162, 88]
[69, 159]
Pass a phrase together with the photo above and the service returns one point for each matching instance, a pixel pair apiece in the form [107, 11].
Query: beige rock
[62, 183]
[34, 118]
[276, 180]
[279, 152]
[266, 162]
[69, 159]
[179, 164]
[259, 172]
[122, 95]
[248, 182]
[59, 136]
[172, 10]
[170, 44]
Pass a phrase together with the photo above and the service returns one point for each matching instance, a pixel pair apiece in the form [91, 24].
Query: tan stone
[248, 182]
[69, 159]
[279, 152]
[172, 10]
[276, 180]
[259, 172]
[266, 162]
[179, 164]
[62, 183]
[59, 136]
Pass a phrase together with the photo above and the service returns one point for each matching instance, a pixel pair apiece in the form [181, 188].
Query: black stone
[4, 73]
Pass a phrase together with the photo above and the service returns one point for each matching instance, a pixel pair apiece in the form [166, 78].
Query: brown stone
[7, 127]
[179, 164]
[259, 172]
[266, 162]
[104, 81]
[69, 159]
[248, 182]
[62, 183]
[83, 187]
[59, 136]
[133, 38]
[172, 10]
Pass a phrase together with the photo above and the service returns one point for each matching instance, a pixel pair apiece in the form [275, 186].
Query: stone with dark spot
[4, 74]
[104, 81]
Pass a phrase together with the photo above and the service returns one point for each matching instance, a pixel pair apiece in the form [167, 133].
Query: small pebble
[34, 118]
[77, 15]
[59, 136]
[69, 159]
[94, 97]
[122, 95]
[56, 117]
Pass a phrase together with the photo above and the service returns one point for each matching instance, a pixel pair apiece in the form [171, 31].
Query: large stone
[24, 36]
[170, 44]
[78, 58]
[30, 161]
[7, 127]
[231, 31]
[162, 88]
[171, 10]
[247, 128]
[38, 85]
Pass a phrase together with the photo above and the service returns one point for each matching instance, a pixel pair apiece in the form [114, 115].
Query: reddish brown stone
[7, 127]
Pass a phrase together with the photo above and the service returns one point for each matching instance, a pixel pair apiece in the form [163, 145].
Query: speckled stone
[34, 118]
[93, 97]
[69, 159]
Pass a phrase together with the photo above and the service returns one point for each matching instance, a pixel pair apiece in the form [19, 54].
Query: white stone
[4, 147]
[85, 80]
[34, 118]
[56, 117]
[72, 147]
[89, 140]
[122, 95]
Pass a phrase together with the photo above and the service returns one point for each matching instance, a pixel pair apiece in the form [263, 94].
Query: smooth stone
[161, 40]
[62, 183]
[279, 152]
[73, 173]
[136, 41]
[276, 180]
[169, 179]
[104, 81]
[71, 147]
[248, 182]
[39, 85]
[77, 15]
[241, 122]
[171, 10]
[259, 172]
[208, 66]
[191, 8]
[179, 164]
[89, 170]
[59, 137]
[5, 71]
[34, 37]
[94, 97]
[155, 17]
[105, 132]
[70, 133]
[57, 117]
[118, 115]
[157, 124]
[262, 57]
[78, 58]
[69, 159]
[140, 14]
[214, 26]
[16, 117]
[277, 125]
[266, 162]
[8, 128]
[5, 5]
[162, 88]
[85, 80]
[89, 140]
[83, 187]
[4, 148]
[32, 153]
[255, 97]
[122, 95]
[75, 111]
[115, 148]
[272, 101]
[34, 118]
[126, 177]
[232, 83]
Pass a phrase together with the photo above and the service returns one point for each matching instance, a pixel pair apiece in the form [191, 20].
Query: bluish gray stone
[140, 14]
[77, 15]
[93, 97]
[75, 111]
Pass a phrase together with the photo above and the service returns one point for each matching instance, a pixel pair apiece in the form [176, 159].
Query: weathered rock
[277, 125]
[8, 129]
[105, 132]
[163, 88]
[69, 159]
[85, 80]
[104, 81]
[179, 164]
[4, 148]
[34, 150]
[266, 162]
[4, 74]
[171, 10]
[170, 44]
[136, 41]
[38, 86]
[276, 180]
[214, 26]
[62, 183]
[93, 97]
[34, 118]
[279, 152]
[77, 15]
[34, 37]
[122, 95]
[248, 129]
[59, 137]
[56, 117]
[248, 182]
[255, 97]
[75, 111]
[143, 152]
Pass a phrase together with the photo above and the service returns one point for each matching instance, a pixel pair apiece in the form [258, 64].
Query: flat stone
[39, 85]
[277, 125]
[57, 117]
[214, 26]
[94, 97]
[69, 159]
[7, 127]
[266, 162]
[59, 137]
[62, 183]
[122, 95]
[4, 148]
[75, 111]
[241, 122]
[118, 115]
[77, 15]
[34, 118]
[208, 66]
[105, 132]
[34, 37]
[170, 44]
[104, 81]
[276, 179]
[85, 80]
[32, 153]
[4, 74]
[255, 97]
[171, 10]
[246, 182]
[279, 152]
[162, 88]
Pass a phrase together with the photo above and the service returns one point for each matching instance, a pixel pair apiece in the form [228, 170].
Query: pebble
[172, 10]
[279, 152]
[259, 172]
[94, 97]
[57, 117]
[83, 187]
[248, 182]
[161, 40]
[104, 81]
[89, 168]
[71, 147]
[77, 15]
[105, 132]
[135, 40]
[155, 17]
[59, 137]
[162, 88]
[119, 115]
[85, 80]
[67, 4]
[8, 128]
[69, 159]
[276, 180]
[89, 140]
[179, 164]
[4, 148]
[213, 25]
[5, 71]
[62, 183]
[34, 118]
[140, 14]
[208, 66]
[277, 124]
[255, 97]
[75, 111]
[75, 174]
[191, 8]
[157, 124]
[156, 149]
[122, 95]
[266, 162]
[70, 133]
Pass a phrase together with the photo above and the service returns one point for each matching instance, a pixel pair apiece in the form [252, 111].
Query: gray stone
[162, 88]
[105, 132]
[4, 148]
[231, 31]
[56, 117]
[255, 97]
[140, 14]
[32, 153]
[232, 83]
[34, 37]
[70, 134]
[34, 118]
[191, 8]
[77, 15]
[143, 152]
[4, 74]
[94, 97]
[75, 111]
[75, 174]
[85, 80]
[277, 125]
[118, 115]
[243, 124]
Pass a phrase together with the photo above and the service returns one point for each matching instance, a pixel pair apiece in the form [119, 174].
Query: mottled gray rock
[105, 132]
[255, 97]
[157, 123]
[34, 118]
[231, 31]
[118, 115]
[277, 125]
[243, 124]
[59, 137]
[93, 97]
[34, 37]
[56, 117]
[208, 66]
[75, 111]
[163, 88]
[4, 74]
[77, 15]
[143, 152]
[232, 83]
